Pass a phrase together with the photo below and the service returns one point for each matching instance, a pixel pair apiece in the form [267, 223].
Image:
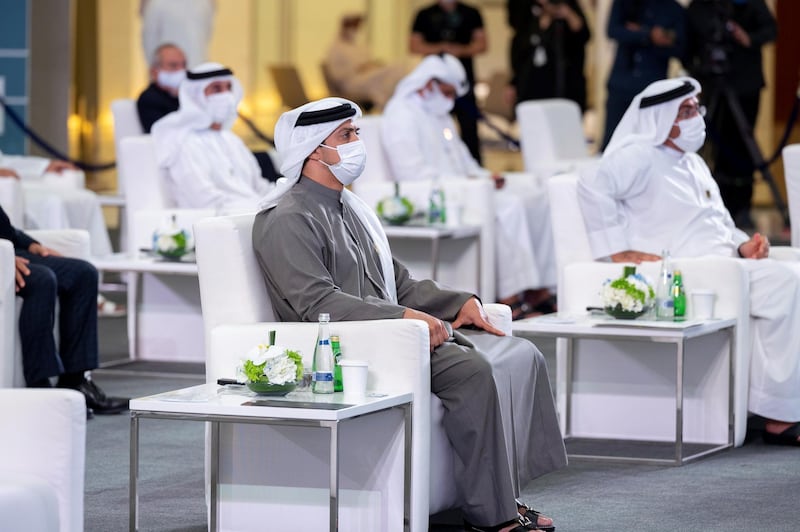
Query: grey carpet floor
[755, 487]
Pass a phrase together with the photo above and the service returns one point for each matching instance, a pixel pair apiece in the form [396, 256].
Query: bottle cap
[324, 316]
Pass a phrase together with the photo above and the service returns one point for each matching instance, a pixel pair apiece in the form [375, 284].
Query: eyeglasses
[688, 111]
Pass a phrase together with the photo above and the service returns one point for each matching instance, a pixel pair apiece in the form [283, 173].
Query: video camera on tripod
[714, 56]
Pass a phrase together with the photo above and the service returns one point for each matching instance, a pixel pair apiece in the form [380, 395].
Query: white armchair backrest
[570, 240]
[141, 180]
[232, 288]
[377, 167]
[791, 166]
[11, 200]
[126, 120]
[550, 130]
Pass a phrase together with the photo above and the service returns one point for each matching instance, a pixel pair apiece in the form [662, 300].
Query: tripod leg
[744, 129]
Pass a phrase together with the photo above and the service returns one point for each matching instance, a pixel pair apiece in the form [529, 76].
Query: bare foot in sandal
[534, 516]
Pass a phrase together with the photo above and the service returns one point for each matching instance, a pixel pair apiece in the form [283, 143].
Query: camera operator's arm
[758, 29]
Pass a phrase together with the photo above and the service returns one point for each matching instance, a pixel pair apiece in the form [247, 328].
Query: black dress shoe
[98, 401]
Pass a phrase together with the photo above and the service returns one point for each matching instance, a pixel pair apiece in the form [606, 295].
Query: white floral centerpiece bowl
[629, 296]
[271, 369]
[171, 242]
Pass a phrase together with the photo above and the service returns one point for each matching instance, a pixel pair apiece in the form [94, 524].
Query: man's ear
[674, 132]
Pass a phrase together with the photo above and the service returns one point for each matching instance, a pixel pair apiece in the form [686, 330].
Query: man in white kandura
[341, 263]
[421, 142]
[208, 166]
[653, 192]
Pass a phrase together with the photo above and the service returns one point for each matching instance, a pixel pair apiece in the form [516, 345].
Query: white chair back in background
[551, 135]
[126, 120]
[376, 169]
[12, 202]
[791, 165]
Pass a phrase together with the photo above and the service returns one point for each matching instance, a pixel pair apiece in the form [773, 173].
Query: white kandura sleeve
[601, 192]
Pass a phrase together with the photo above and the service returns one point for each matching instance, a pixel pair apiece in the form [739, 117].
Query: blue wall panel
[14, 65]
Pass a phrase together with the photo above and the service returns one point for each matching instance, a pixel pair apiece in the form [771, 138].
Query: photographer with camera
[724, 53]
[648, 33]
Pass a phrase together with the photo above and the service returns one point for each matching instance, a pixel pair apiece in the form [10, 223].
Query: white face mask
[437, 103]
[693, 134]
[170, 79]
[352, 158]
[221, 106]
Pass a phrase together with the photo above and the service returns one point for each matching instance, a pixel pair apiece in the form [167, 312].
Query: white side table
[217, 405]
[654, 332]
[163, 297]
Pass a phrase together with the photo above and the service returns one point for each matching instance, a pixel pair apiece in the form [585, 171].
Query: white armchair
[42, 460]
[158, 305]
[11, 200]
[579, 282]
[551, 135]
[791, 165]
[70, 243]
[237, 314]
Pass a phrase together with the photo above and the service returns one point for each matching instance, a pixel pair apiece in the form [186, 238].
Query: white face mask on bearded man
[436, 102]
[352, 159]
[692, 135]
[221, 106]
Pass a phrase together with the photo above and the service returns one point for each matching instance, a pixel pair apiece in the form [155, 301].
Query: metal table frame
[215, 420]
[673, 336]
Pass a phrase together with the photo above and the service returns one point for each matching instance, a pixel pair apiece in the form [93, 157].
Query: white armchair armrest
[69, 242]
[784, 253]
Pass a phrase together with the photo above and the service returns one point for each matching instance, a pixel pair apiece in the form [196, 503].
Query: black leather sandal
[523, 525]
[533, 516]
[787, 437]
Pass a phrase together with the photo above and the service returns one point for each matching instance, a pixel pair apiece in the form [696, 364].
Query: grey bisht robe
[317, 257]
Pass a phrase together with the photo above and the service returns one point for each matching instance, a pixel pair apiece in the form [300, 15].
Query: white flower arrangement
[632, 293]
[171, 241]
[270, 364]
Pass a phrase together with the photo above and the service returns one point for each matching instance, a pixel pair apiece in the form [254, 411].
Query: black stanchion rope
[49, 148]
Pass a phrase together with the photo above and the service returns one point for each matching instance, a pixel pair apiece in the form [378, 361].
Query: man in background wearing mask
[653, 192]
[455, 28]
[167, 70]
[419, 141]
[208, 166]
[341, 264]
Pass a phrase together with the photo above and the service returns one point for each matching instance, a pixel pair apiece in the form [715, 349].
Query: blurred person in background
[648, 33]
[724, 48]
[451, 27]
[548, 50]
[167, 71]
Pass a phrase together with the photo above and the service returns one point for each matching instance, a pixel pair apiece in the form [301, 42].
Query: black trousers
[466, 111]
[73, 284]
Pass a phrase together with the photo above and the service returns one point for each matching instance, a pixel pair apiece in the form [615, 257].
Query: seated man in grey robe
[341, 264]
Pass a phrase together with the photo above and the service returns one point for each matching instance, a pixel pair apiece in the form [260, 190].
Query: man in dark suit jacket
[43, 277]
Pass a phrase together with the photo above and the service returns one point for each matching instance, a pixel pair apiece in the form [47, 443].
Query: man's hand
[436, 327]
[636, 257]
[739, 35]
[59, 166]
[38, 249]
[472, 313]
[661, 37]
[755, 248]
[499, 181]
[8, 172]
[22, 272]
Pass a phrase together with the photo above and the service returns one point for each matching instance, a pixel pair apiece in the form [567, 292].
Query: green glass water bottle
[678, 296]
[337, 369]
